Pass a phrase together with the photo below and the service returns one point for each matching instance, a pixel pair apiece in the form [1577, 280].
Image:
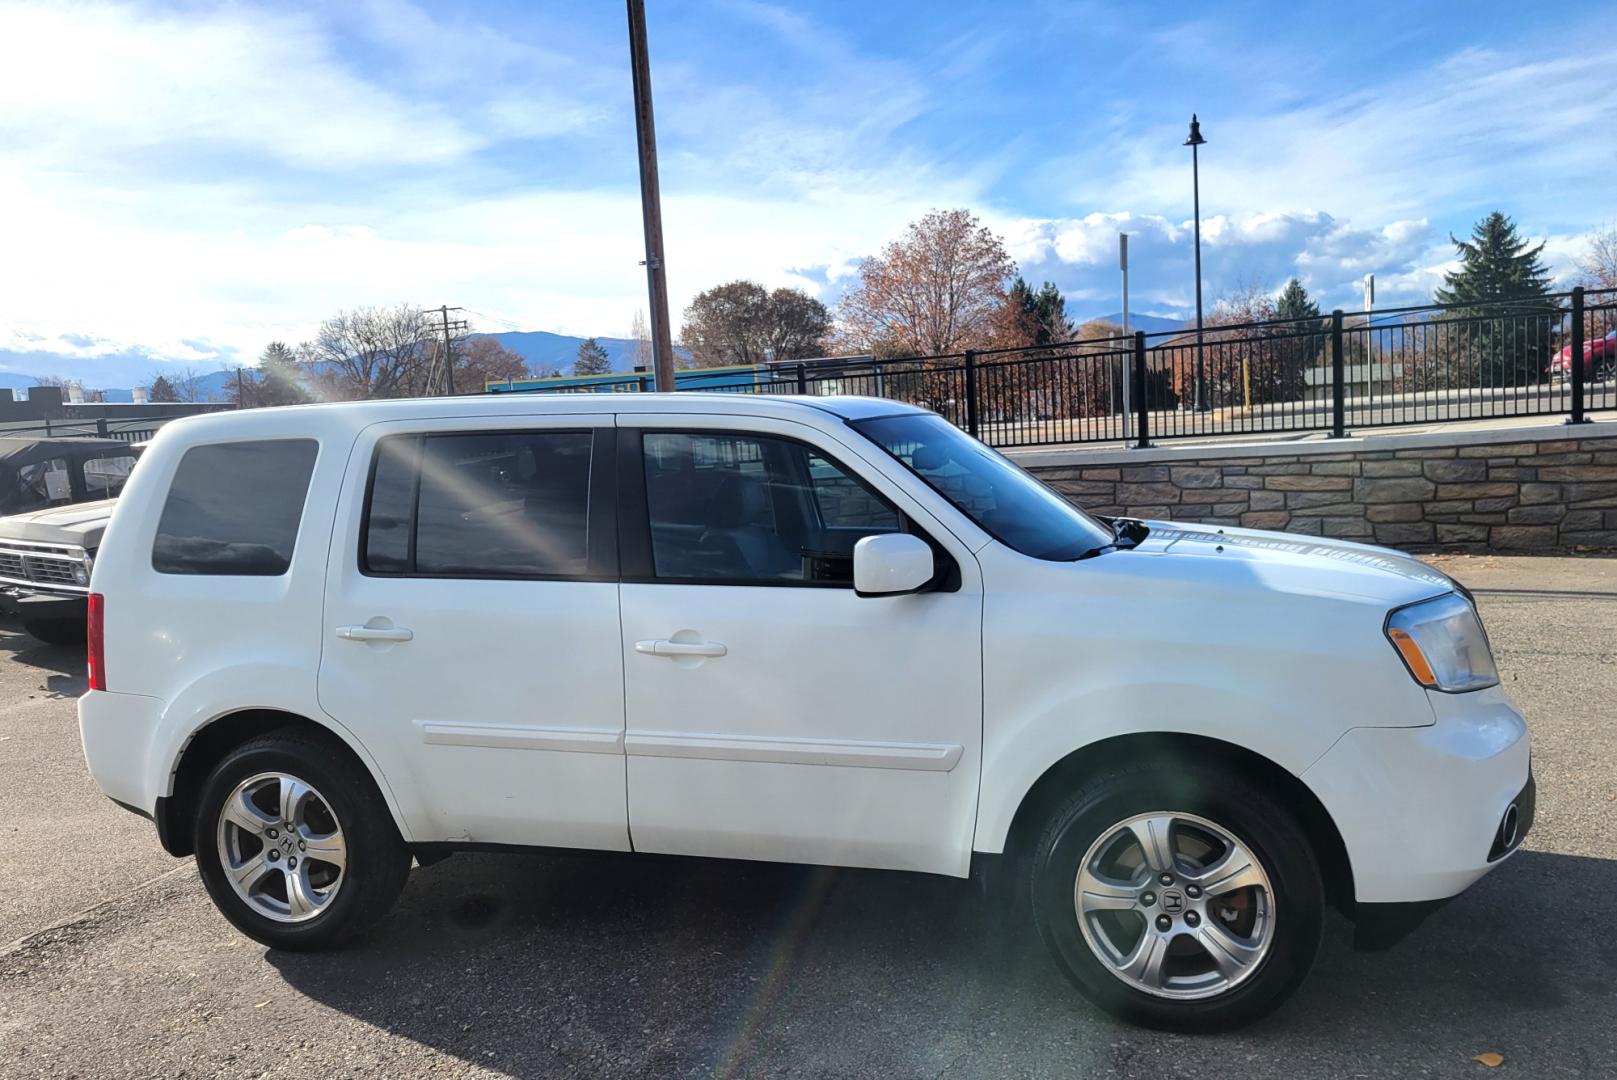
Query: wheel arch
[209, 744]
[1040, 799]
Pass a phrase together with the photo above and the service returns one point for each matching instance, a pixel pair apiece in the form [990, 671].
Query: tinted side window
[234, 508]
[755, 508]
[508, 504]
[387, 539]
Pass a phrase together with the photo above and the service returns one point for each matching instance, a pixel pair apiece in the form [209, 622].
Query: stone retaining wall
[1534, 488]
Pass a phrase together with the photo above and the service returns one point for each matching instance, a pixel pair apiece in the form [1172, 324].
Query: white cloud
[97, 82]
[1463, 133]
[180, 180]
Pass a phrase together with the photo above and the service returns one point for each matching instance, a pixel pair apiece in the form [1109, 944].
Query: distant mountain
[1151, 324]
[113, 373]
[544, 351]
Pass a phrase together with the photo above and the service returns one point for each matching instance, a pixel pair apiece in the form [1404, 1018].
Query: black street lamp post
[1193, 142]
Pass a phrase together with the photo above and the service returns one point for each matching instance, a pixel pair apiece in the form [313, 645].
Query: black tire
[378, 861]
[1269, 831]
[56, 631]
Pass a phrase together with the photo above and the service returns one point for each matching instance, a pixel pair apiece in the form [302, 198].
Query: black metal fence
[1413, 365]
[136, 426]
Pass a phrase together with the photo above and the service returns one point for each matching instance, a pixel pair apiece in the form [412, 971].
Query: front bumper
[1420, 809]
[26, 604]
[1381, 926]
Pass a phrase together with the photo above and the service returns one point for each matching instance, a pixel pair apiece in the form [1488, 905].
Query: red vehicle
[1599, 360]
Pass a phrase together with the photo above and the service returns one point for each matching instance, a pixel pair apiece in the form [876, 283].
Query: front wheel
[295, 844]
[1179, 897]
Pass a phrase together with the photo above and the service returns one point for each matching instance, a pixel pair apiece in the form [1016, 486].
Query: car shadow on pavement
[62, 665]
[541, 965]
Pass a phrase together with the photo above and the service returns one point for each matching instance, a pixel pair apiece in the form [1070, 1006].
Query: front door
[771, 712]
[471, 627]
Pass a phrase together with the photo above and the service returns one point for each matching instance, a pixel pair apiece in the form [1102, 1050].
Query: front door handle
[664, 647]
[374, 633]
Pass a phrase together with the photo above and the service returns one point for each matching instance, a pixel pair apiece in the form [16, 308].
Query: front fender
[1016, 754]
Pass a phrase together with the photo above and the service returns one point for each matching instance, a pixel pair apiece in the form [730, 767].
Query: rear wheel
[294, 843]
[56, 631]
[1183, 898]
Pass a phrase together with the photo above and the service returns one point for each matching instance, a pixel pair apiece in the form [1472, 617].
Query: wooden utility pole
[662, 347]
[450, 329]
[449, 355]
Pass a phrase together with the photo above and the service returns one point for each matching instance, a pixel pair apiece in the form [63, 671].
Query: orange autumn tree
[934, 291]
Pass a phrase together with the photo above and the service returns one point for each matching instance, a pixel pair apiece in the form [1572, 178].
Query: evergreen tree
[1295, 303]
[592, 359]
[278, 377]
[162, 391]
[1028, 318]
[276, 382]
[1502, 290]
[1050, 309]
[1302, 344]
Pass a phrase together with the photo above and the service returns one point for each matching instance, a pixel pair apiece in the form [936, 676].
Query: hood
[1288, 562]
[78, 523]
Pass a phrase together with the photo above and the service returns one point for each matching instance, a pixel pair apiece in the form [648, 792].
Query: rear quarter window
[234, 508]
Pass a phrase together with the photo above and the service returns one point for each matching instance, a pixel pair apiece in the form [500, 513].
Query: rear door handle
[664, 647]
[374, 633]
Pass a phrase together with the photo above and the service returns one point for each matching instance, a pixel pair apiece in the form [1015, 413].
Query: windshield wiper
[1126, 533]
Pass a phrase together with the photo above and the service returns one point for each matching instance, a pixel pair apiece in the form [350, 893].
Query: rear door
[470, 637]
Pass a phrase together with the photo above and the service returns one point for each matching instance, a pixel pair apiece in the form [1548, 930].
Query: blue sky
[189, 181]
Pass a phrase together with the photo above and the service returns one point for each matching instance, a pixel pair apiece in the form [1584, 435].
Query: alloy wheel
[1175, 905]
[281, 847]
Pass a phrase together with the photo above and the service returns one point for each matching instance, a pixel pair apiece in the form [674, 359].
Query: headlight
[81, 569]
[1443, 644]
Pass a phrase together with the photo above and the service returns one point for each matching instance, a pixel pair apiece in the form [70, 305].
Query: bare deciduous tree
[1598, 266]
[370, 353]
[482, 360]
[191, 385]
[936, 290]
[640, 353]
[741, 322]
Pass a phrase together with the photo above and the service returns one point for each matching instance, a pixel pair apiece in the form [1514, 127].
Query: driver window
[748, 508]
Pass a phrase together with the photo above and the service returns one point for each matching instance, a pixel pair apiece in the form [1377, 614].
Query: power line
[507, 323]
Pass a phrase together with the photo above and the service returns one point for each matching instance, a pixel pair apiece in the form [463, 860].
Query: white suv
[326, 639]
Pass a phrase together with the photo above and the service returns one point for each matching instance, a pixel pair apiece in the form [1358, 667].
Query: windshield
[1007, 502]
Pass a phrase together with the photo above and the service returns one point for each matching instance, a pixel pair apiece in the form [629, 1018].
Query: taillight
[95, 640]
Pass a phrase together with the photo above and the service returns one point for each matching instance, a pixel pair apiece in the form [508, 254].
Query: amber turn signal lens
[1412, 655]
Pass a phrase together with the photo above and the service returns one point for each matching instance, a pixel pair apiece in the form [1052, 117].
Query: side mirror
[890, 564]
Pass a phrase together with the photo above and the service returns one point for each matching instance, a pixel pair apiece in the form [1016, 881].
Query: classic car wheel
[294, 843]
[1183, 898]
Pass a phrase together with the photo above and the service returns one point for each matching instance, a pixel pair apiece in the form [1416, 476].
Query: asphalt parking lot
[114, 964]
